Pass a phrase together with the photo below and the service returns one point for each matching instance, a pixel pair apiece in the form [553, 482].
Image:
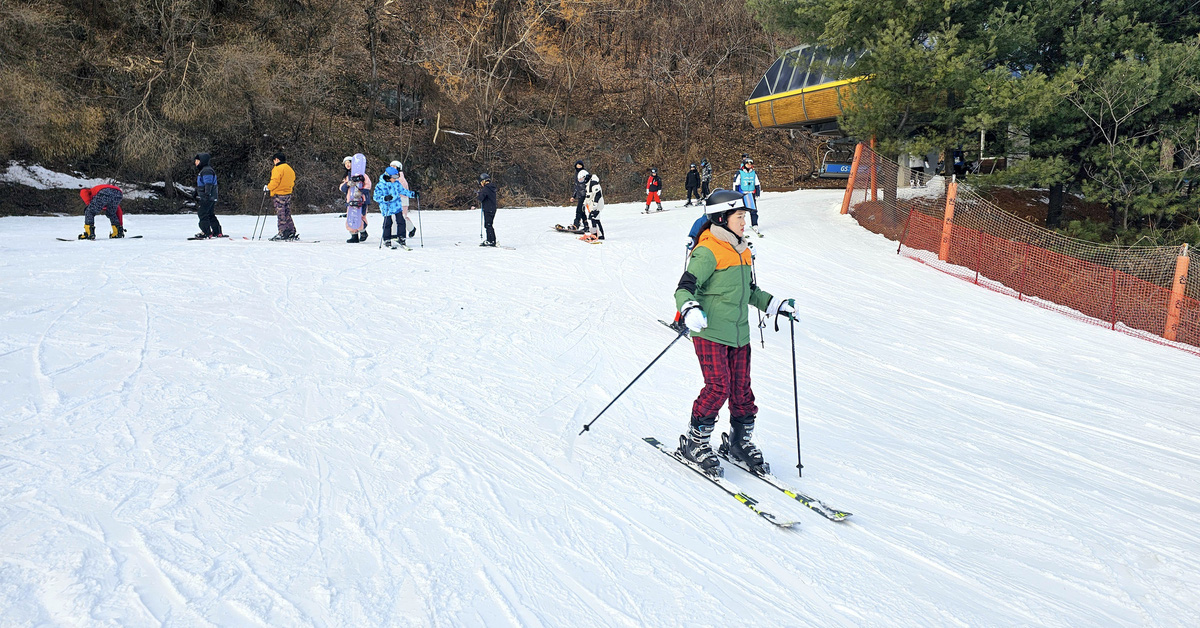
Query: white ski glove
[787, 307]
[693, 316]
[267, 188]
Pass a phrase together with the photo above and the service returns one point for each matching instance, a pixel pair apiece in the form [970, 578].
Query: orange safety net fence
[1142, 291]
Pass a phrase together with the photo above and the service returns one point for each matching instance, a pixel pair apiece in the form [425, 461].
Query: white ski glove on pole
[787, 307]
[693, 316]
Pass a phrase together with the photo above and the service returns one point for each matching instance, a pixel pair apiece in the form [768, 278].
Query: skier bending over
[594, 200]
[712, 296]
[653, 186]
[104, 199]
[746, 182]
[388, 195]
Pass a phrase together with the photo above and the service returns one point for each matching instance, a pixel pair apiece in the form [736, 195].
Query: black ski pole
[261, 215]
[796, 400]
[639, 375]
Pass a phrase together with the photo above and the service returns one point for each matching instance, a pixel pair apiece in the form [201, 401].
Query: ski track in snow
[245, 433]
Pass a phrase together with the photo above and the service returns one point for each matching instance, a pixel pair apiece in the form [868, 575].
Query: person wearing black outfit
[693, 185]
[579, 194]
[705, 178]
[206, 198]
[487, 201]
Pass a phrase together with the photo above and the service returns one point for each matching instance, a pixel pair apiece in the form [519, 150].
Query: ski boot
[89, 233]
[353, 238]
[755, 228]
[362, 237]
[738, 447]
[279, 237]
[695, 447]
[485, 243]
[401, 243]
[647, 210]
[659, 207]
[117, 232]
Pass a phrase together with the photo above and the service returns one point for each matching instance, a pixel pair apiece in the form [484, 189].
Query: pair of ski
[729, 487]
[390, 245]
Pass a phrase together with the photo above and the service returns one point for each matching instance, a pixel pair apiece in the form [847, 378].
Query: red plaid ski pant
[726, 377]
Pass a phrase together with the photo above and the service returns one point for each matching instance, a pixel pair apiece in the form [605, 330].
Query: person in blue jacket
[390, 195]
[746, 182]
[206, 198]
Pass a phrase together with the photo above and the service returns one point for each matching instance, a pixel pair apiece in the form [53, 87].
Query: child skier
[693, 186]
[104, 199]
[357, 188]
[579, 193]
[388, 195]
[653, 185]
[404, 199]
[206, 199]
[283, 179]
[746, 182]
[594, 202]
[712, 296]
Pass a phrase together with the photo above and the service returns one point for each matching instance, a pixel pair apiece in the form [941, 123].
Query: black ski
[819, 506]
[74, 239]
[725, 485]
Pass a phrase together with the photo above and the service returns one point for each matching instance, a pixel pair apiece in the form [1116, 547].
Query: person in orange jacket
[283, 179]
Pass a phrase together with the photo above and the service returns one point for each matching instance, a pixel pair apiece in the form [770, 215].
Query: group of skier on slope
[711, 297]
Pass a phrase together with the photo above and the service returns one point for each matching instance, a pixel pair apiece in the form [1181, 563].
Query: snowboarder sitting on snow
[388, 194]
[104, 199]
[746, 182]
[594, 200]
[693, 185]
[653, 185]
[579, 193]
[712, 296]
[487, 198]
[206, 198]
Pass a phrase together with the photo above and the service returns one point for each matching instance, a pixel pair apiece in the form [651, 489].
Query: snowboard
[568, 229]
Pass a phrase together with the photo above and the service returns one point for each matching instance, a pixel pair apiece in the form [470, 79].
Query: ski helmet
[485, 177]
[582, 176]
[397, 165]
[722, 203]
[693, 165]
[391, 171]
[654, 171]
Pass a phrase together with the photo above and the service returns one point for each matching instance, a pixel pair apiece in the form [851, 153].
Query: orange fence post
[951, 194]
[1177, 288]
[874, 167]
[850, 181]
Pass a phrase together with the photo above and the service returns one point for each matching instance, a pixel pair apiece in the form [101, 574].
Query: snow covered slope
[243, 433]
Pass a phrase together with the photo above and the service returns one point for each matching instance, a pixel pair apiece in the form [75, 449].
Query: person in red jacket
[104, 199]
[653, 186]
